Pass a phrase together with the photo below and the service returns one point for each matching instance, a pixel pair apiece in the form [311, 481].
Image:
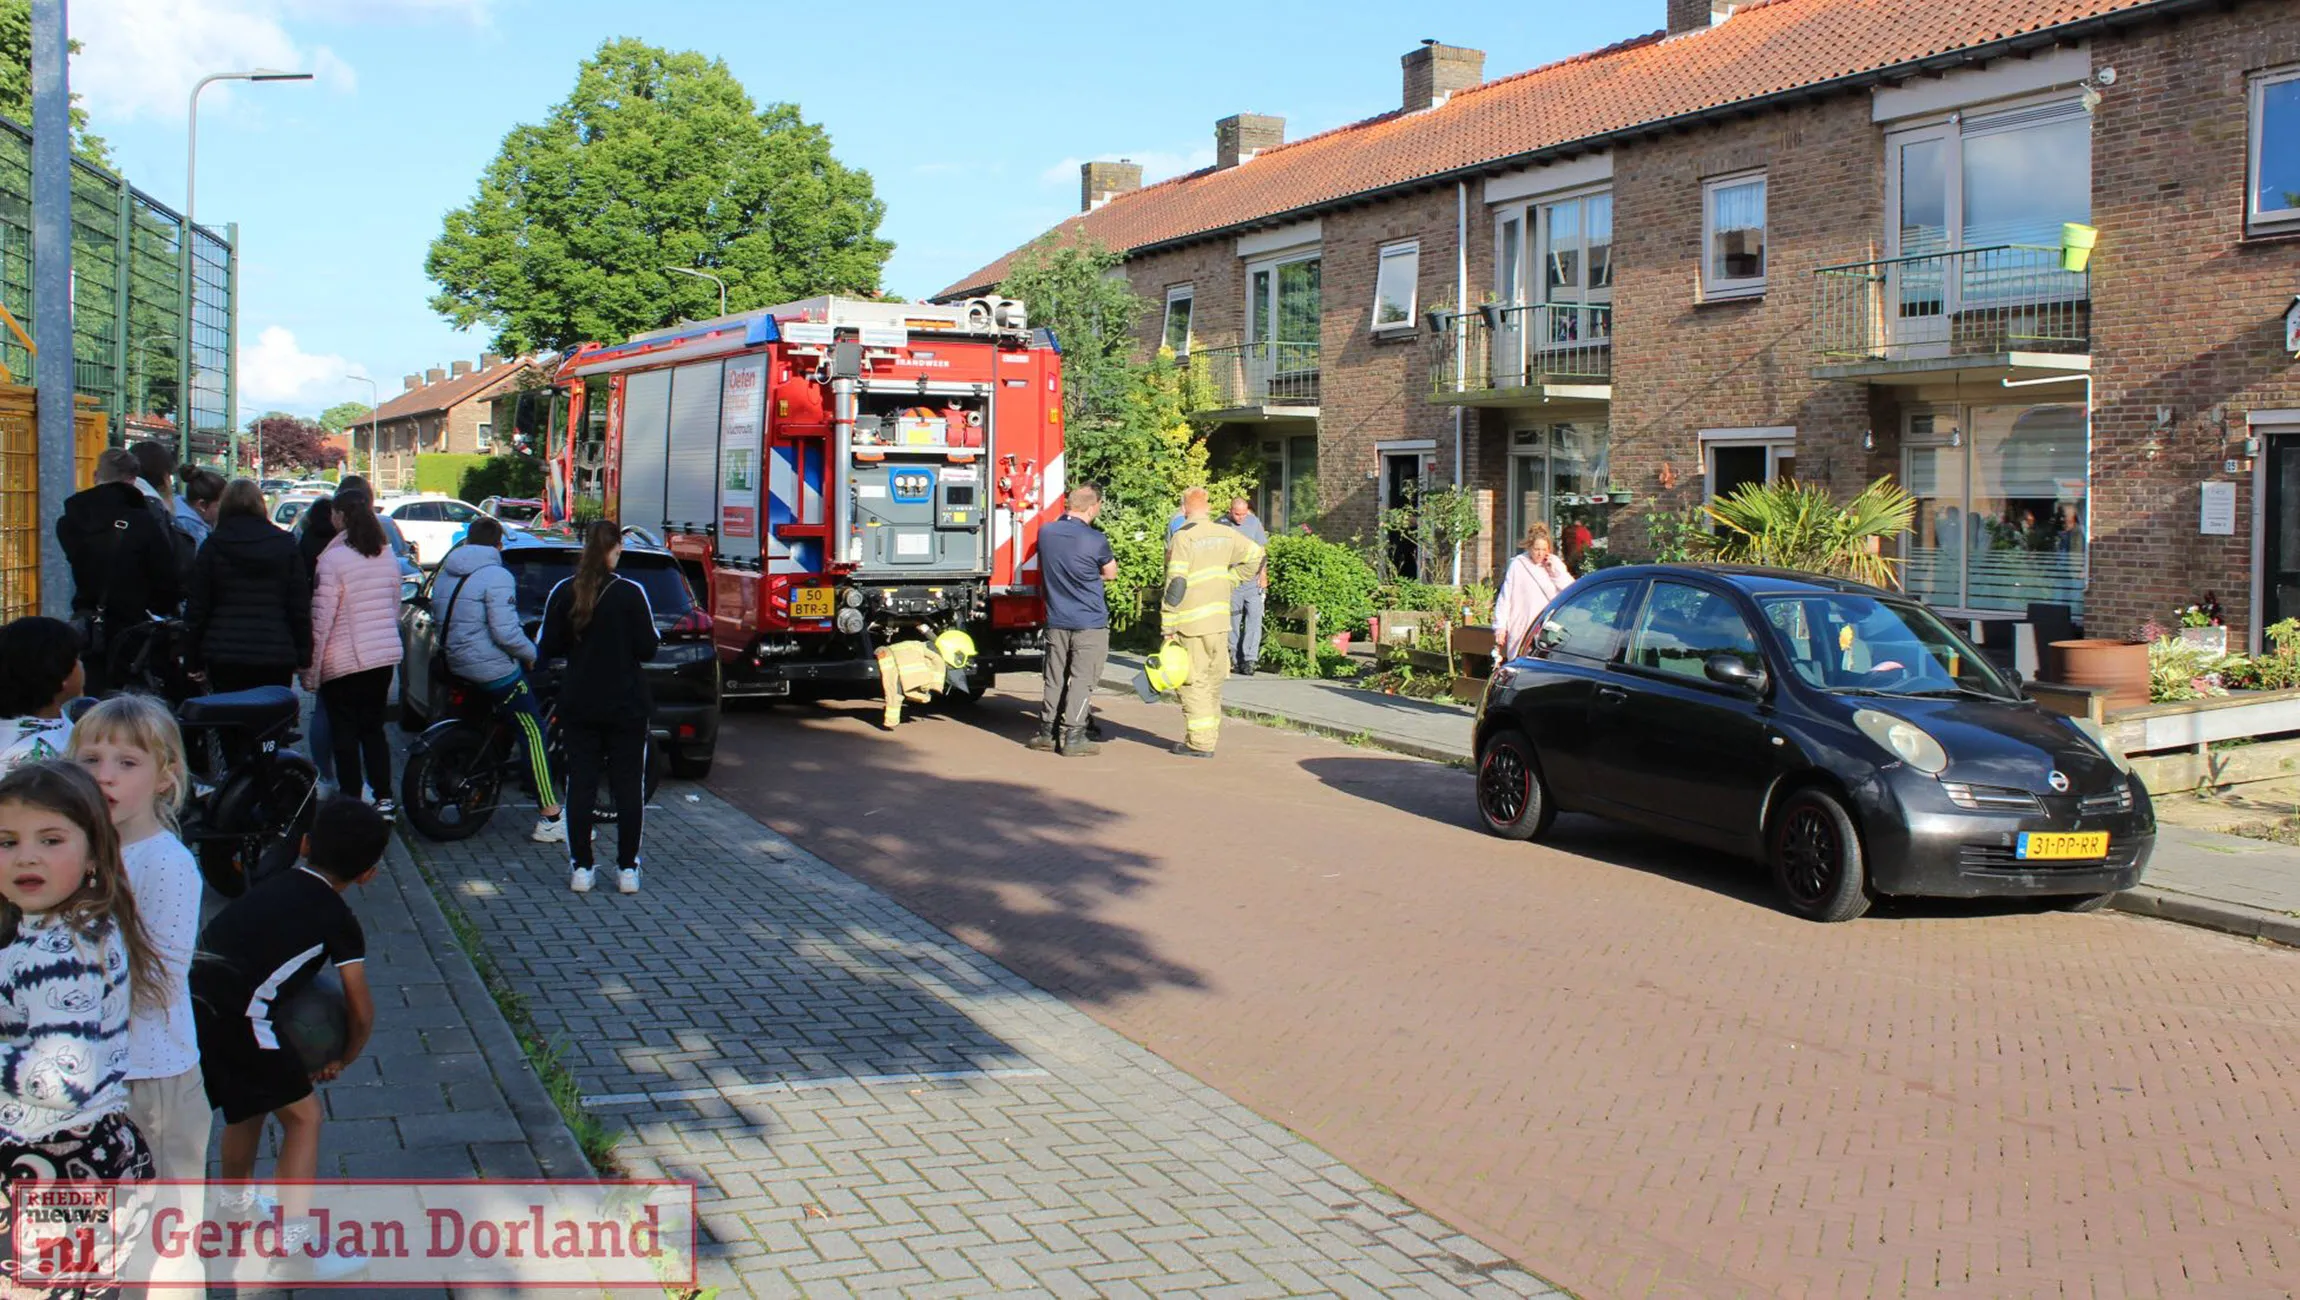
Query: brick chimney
[1242, 135]
[488, 361]
[1434, 72]
[1693, 15]
[1100, 182]
[413, 382]
[460, 368]
[434, 376]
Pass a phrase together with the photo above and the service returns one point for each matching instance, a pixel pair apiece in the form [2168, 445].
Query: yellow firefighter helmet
[955, 647]
[1168, 668]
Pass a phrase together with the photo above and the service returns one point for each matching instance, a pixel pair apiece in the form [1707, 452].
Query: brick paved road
[872, 1108]
[1610, 1058]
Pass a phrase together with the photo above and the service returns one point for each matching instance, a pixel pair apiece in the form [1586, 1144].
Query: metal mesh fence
[127, 300]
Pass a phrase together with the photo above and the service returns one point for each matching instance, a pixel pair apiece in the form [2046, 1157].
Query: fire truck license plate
[2063, 844]
[813, 602]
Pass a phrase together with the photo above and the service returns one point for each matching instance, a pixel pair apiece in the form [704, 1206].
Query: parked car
[289, 510]
[273, 487]
[1844, 735]
[512, 510]
[683, 676]
[433, 523]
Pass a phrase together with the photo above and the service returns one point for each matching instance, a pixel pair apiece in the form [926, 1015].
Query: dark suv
[683, 676]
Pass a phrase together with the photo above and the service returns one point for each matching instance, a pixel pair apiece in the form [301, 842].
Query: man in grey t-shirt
[1247, 597]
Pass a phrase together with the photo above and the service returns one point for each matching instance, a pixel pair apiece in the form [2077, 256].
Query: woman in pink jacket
[355, 644]
[1535, 577]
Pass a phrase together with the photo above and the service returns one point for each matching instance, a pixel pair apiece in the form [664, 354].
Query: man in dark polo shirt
[1074, 560]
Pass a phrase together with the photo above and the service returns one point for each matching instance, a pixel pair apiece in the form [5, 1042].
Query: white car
[291, 506]
[432, 523]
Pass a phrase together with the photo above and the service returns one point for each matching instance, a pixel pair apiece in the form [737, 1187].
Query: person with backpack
[124, 571]
[604, 628]
[476, 602]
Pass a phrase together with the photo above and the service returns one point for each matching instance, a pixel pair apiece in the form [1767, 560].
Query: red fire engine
[833, 474]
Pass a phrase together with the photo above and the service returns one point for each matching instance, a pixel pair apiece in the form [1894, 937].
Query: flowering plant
[2204, 613]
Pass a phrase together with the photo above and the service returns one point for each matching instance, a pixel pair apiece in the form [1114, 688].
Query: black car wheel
[1512, 799]
[1817, 858]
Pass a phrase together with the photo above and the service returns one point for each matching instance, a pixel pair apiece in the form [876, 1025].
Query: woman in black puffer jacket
[250, 610]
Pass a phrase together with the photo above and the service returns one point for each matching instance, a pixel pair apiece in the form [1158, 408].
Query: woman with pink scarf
[1535, 577]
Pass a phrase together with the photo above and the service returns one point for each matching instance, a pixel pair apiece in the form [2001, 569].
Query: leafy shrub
[1327, 576]
[442, 472]
[502, 476]
[2179, 670]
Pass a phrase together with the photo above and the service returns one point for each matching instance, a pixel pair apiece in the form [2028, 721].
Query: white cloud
[142, 57]
[1157, 165]
[275, 371]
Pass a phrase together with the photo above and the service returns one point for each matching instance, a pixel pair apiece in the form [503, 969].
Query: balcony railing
[1498, 348]
[1960, 303]
[1263, 374]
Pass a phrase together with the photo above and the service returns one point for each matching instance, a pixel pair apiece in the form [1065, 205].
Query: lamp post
[374, 409]
[705, 275]
[191, 245]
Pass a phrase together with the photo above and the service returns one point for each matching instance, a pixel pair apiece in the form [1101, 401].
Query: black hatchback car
[683, 677]
[1842, 734]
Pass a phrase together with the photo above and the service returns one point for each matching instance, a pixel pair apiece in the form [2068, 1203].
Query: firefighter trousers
[1202, 692]
[890, 684]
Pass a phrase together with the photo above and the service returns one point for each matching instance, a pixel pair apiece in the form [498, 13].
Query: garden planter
[2120, 667]
[1623, 496]
[1341, 643]
[2214, 639]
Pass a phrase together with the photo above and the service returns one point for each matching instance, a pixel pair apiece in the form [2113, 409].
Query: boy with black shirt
[254, 958]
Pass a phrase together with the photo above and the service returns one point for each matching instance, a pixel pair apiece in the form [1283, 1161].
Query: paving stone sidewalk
[2198, 877]
[871, 1107]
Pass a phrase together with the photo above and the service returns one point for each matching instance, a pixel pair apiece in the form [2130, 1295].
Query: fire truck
[833, 474]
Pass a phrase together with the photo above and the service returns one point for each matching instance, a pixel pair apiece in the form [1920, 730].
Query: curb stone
[557, 1152]
[2210, 914]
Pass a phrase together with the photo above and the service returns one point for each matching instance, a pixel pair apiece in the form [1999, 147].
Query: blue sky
[971, 119]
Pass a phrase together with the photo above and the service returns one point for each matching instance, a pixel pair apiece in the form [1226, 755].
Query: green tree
[656, 158]
[343, 415]
[16, 80]
[1073, 287]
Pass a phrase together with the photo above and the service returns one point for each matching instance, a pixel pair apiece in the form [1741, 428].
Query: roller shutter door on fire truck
[646, 440]
[691, 492]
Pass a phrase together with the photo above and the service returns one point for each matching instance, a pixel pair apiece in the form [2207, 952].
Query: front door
[1670, 743]
[2280, 533]
[1401, 472]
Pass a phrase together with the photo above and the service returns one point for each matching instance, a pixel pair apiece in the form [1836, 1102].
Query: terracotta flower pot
[1341, 642]
[2119, 666]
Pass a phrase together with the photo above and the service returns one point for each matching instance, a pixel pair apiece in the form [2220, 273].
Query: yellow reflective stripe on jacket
[1193, 613]
[1207, 723]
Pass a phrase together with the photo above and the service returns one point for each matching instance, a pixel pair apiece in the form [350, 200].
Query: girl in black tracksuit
[604, 628]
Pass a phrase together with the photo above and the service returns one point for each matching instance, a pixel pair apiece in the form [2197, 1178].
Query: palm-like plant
[1792, 525]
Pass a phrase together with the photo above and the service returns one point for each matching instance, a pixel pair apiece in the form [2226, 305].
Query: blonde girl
[130, 745]
[74, 963]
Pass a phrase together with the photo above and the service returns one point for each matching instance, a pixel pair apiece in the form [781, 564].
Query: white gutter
[1460, 337]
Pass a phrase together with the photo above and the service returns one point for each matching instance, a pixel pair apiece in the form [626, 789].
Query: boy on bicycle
[475, 603]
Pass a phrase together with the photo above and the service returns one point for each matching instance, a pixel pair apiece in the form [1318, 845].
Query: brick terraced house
[1808, 238]
[441, 410]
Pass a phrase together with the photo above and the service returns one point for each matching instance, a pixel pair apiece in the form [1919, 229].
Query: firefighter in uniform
[916, 670]
[1205, 562]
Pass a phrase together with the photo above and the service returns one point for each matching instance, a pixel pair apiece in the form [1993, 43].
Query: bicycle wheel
[452, 784]
[255, 825]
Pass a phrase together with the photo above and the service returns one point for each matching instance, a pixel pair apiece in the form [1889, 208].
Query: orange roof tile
[447, 393]
[1767, 48]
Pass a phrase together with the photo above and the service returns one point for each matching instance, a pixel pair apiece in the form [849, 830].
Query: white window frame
[1779, 442]
[2256, 97]
[1713, 288]
[1408, 252]
[484, 436]
[1186, 295]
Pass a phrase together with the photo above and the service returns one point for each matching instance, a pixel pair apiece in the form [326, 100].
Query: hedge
[442, 471]
[1331, 577]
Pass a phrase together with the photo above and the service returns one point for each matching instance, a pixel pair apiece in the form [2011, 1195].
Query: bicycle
[456, 770]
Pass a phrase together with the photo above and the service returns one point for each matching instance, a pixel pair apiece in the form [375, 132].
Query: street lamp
[374, 410]
[705, 275]
[190, 246]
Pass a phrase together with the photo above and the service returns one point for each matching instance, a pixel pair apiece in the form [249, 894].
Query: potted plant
[2201, 625]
